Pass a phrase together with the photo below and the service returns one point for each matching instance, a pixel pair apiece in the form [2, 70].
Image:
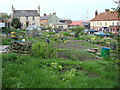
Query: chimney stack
[38, 9]
[96, 13]
[54, 13]
[107, 10]
[13, 9]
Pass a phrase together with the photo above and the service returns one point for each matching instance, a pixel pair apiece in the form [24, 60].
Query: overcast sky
[72, 9]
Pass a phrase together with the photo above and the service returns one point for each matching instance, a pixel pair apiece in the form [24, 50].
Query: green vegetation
[15, 23]
[63, 63]
[66, 34]
[28, 72]
[4, 16]
[6, 41]
[78, 30]
[44, 50]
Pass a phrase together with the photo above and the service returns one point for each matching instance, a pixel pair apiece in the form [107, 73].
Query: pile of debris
[22, 47]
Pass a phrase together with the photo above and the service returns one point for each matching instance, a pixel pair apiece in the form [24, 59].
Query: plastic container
[105, 52]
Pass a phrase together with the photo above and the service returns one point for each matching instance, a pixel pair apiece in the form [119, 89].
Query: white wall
[102, 23]
[99, 24]
[31, 21]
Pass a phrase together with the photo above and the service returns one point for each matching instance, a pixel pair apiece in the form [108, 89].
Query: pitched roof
[81, 23]
[75, 23]
[106, 16]
[46, 17]
[26, 13]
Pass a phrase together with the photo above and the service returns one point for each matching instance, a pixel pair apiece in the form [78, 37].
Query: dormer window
[26, 17]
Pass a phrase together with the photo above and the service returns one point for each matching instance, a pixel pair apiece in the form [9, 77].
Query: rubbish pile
[21, 46]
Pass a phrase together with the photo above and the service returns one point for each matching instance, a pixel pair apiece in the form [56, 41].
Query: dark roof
[26, 13]
[46, 17]
[106, 16]
[85, 23]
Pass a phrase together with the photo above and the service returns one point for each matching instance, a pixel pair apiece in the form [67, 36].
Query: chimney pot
[96, 13]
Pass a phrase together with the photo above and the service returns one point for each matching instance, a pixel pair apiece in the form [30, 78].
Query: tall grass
[43, 73]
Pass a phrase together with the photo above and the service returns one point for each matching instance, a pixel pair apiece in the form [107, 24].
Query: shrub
[9, 57]
[6, 41]
[43, 50]
[16, 23]
[66, 34]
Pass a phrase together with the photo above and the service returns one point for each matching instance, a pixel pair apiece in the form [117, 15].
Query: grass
[80, 54]
[87, 44]
[45, 73]
[42, 71]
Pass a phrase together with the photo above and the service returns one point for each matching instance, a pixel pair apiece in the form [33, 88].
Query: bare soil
[73, 45]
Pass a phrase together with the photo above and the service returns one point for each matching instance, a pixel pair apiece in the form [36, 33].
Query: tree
[15, 23]
[49, 28]
[77, 30]
[118, 37]
[117, 8]
[4, 16]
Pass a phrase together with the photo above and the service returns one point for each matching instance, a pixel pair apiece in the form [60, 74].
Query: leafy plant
[66, 34]
[43, 50]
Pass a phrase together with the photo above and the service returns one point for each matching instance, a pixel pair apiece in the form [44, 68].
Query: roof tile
[106, 16]
[26, 13]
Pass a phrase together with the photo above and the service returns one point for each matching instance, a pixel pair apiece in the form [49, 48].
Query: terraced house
[53, 21]
[107, 20]
[27, 17]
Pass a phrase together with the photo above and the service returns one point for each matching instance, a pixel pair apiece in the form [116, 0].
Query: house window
[26, 17]
[60, 26]
[117, 23]
[113, 23]
[33, 18]
[117, 30]
[105, 24]
[97, 23]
